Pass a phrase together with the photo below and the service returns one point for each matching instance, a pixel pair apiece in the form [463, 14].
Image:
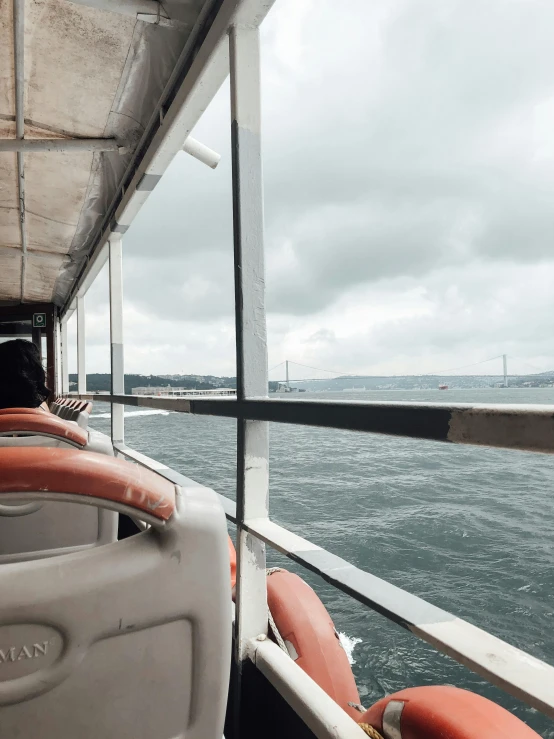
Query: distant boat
[443, 387]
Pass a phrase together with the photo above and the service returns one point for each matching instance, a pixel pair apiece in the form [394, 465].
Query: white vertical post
[116, 336]
[64, 363]
[505, 367]
[81, 365]
[287, 372]
[252, 436]
[58, 389]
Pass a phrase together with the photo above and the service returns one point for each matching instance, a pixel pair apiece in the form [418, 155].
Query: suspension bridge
[286, 368]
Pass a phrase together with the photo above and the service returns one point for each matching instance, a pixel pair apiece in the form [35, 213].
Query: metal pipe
[203, 153]
[506, 426]
[58, 386]
[19, 83]
[81, 366]
[317, 710]
[61, 145]
[64, 358]
[251, 339]
[51, 350]
[96, 265]
[116, 336]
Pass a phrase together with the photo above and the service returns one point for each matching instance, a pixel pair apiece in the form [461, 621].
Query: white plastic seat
[83, 415]
[127, 641]
[47, 528]
[55, 407]
[96, 442]
[72, 410]
[46, 429]
[58, 406]
[37, 530]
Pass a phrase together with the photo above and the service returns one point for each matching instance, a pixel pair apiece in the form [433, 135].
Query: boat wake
[130, 414]
[349, 643]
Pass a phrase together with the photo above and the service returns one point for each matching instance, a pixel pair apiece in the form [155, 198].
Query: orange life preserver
[233, 561]
[311, 638]
[443, 712]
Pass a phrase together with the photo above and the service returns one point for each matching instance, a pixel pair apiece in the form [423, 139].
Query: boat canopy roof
[84, 87]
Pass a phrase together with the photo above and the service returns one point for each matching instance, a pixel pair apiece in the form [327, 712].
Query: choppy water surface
[467, 528]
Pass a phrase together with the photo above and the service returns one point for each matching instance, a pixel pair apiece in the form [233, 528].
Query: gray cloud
[398, 150]
[197, 286]
[426, 162]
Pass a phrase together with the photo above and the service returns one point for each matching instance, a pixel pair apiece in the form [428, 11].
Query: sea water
[467, 528]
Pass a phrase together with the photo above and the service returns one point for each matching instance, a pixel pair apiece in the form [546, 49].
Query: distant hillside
[424, 382]
[101, 382]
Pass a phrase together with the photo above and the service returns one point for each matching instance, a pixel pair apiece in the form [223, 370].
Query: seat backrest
[66, 410]
[127, 641]
[28, 427]
[43, 529]
[72, 410]
[55, 406]
[20, 411]
[42, 424]
[60, 406]
[83, 414]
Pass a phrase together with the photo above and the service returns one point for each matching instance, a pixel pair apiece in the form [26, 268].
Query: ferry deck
[142, 636]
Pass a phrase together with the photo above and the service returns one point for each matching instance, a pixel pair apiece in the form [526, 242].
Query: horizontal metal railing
[521, 427]
[517, 672]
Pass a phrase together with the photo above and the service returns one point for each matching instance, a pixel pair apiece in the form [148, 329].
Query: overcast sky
[409, 200]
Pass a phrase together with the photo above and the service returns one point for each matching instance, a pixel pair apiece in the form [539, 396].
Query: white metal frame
[64, 363]
[58, 356]
[116, 336]
[81, 345]
[251, 342]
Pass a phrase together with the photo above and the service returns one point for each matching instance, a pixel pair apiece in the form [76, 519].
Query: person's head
[22, 379]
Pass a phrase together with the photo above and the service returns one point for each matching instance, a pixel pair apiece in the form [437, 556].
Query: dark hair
[22, 378]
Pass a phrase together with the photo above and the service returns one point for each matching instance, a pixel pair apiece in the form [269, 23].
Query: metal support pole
[51, 353]
[505, 366]
[64, 368]
[252, 436]
[58, 356]
[81, 364]
[36, 338]
[287, 373]
[116, 336]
